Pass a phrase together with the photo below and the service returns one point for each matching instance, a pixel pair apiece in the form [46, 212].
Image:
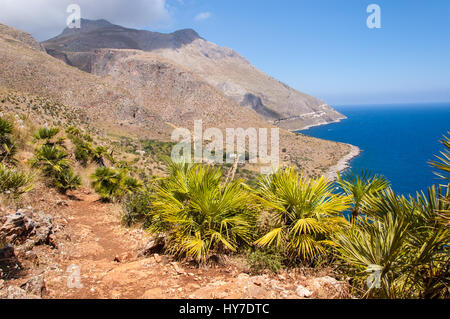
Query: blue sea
[397, 141]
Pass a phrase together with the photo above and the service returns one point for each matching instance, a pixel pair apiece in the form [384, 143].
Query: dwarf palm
[303, 213]
[13, 182]
[402, 241]
[360, 187]
[200, 213]
[443, 163]
[51, 159]
[114, 184]
[47, 135]
[7, 146]
[107, 182]
[67, 180]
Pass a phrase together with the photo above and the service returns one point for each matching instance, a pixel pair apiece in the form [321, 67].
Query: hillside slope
[221, 67]
[141, 106]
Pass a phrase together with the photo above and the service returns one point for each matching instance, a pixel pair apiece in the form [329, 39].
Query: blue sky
[321, 47]
[324, 48]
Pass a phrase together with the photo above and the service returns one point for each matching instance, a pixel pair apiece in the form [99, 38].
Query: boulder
[28, 229]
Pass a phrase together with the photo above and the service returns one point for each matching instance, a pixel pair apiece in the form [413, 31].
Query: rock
[326, 287]
[242, 277]
[177, 268]
[258, 280]
[27, 246]
[256, 292]
[14, 226]
[35, 285]
[44, 230]
[156, 245]
[303, 292]
[157, 257]
[7, 252]
[14, 292]
[27, 227]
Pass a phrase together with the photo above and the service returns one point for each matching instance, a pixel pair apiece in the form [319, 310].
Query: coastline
[343, 163]
[318, 124]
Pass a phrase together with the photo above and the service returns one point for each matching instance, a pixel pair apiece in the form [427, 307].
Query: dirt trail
[93, 240]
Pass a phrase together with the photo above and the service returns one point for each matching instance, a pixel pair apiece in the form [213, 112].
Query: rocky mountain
[134, 93]
[221, 67]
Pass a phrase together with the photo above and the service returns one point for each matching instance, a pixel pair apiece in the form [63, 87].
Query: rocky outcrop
[26, 228]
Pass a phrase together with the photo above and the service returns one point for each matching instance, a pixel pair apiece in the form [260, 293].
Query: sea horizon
[396, 140]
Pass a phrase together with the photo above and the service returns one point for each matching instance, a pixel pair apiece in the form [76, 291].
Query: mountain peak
[189, 34]
[89, 25]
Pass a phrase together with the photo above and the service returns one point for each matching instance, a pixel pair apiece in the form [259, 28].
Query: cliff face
[223, 68]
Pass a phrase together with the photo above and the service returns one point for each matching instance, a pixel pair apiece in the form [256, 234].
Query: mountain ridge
[221, 67]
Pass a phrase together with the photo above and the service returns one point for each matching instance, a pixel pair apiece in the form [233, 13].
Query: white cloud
[47, 18]
[202, 16]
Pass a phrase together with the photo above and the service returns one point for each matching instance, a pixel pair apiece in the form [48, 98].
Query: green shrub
[46, 133]
[67, 180]
[262, 260]
[14, 183]
[51, 159]
[402, 240]
[114, 184]
[8, 147]
[83, 151]
[71, 130]
[136, 207]
[56, 165]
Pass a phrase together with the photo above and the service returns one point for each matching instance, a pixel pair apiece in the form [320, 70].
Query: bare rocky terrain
[223, 68]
